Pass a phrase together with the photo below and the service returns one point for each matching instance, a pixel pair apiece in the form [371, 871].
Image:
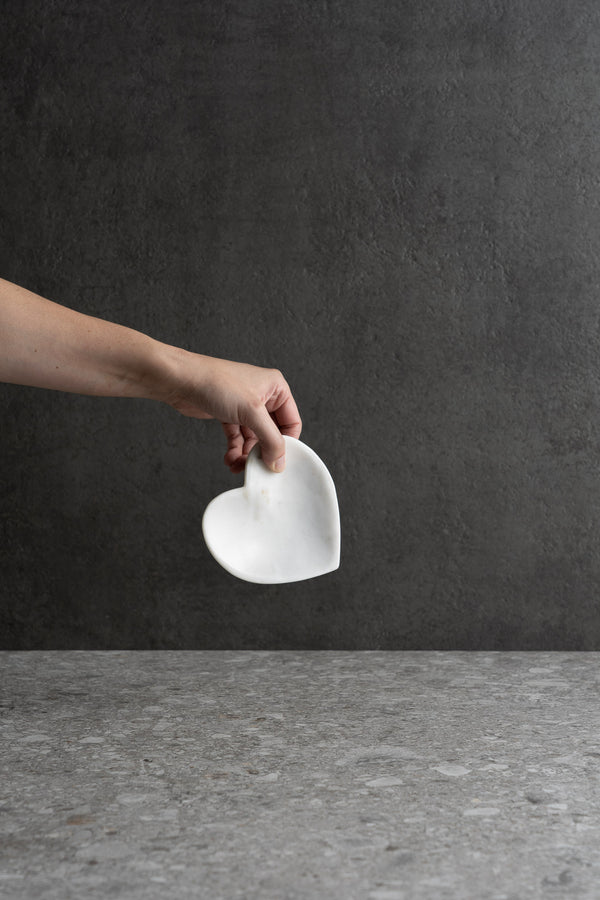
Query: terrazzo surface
[371, 775]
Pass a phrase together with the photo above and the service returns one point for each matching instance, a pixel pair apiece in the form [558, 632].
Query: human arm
[44, 344]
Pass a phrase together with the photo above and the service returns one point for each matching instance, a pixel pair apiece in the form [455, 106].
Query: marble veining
[367, 775]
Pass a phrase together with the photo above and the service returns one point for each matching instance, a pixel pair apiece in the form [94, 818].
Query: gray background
[396, 203]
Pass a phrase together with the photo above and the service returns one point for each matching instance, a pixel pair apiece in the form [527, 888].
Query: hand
[254, 405]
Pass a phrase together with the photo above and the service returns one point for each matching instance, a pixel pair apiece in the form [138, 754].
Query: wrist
[167, 372]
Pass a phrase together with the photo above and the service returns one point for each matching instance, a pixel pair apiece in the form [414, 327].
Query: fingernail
[279, 464]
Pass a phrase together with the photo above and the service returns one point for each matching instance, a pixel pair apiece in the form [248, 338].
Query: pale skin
[44, 344]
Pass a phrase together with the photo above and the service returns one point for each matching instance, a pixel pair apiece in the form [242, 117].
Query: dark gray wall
[396, 203]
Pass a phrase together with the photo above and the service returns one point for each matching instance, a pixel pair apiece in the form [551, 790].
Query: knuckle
[255, 402]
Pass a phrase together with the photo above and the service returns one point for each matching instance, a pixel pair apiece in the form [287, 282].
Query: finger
[250, 440]
[235, 444]
[287, 417]
[270, 438]
[238, 466]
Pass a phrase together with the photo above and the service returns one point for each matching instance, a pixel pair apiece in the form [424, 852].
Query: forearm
[43, 344]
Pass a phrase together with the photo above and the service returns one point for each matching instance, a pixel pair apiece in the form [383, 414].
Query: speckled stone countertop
[371, 775]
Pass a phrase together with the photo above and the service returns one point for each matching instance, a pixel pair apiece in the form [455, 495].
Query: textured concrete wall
[395, 203]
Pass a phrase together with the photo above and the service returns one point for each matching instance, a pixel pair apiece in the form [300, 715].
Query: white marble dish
[278, 527]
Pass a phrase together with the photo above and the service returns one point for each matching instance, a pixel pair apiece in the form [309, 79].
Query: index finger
[287, 418]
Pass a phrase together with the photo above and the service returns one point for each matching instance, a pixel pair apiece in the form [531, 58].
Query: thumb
[271, 440]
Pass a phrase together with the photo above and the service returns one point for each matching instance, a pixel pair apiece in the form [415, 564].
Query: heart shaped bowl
[278, 527]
